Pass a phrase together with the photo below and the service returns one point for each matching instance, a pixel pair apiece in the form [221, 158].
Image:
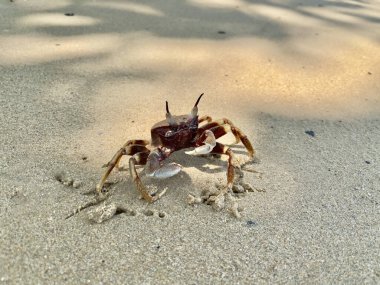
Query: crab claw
[209, 144]
[166, 171]
[203, 149]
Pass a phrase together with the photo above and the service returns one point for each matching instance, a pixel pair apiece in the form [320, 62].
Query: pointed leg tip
[153, 198]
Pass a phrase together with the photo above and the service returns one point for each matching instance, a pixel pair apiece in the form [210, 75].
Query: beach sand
[302, 80]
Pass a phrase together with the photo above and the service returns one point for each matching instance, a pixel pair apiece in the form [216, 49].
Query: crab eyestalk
[171, 121]
[194, 111]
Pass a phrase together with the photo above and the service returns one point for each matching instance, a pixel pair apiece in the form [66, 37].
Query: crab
[174, 134]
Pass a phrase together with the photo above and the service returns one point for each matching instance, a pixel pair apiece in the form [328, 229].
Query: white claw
[203, 149]
[209, 144]
[167, 170]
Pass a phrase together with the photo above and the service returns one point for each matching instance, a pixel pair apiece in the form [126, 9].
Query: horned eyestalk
[194, 111]
[171, 121]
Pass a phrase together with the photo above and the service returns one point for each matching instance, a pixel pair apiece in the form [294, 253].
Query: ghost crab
[173, 134]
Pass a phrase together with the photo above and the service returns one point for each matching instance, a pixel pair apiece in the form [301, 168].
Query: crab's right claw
[209, 144]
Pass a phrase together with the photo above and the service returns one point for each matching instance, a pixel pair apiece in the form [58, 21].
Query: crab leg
[222, 149]
[141, 159]
[219, 199]
[234, 129]
[223, 126]
[128, 149]
[204, 118]
[244, 139]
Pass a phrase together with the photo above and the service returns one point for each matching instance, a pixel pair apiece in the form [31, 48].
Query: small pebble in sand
[63, 178]
[219, 199]
[310, 133]
[248, 187]
[66, 180]
[251, 223]
[233, 206]
[69, 14]
[192, 200]
[237, 188]
[102, 213]
[219, 202]
[148, 213]
[77, 184]
[59, 176]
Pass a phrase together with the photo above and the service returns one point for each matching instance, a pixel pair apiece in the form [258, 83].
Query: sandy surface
[73, 89]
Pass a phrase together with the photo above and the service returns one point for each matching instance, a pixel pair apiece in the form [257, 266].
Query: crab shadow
[211, 163]
[120, 182]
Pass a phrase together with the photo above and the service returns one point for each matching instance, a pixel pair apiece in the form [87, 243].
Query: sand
[302, 80]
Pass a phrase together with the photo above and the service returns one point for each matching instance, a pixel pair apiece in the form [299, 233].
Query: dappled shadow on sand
[277, 21]
[193, 19]
[273, 54]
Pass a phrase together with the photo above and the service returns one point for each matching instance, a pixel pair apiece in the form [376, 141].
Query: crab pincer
[166, 171]
[155, 166]
[208, 145]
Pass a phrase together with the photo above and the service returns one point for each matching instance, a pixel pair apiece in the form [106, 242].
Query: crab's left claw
[209, 144]
[157, 169]
[166, 171]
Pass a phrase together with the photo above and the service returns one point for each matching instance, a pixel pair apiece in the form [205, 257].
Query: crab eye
[169, 133]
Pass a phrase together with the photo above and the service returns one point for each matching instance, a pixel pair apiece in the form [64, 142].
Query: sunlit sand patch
[281, 15]
[56, 19]
[33, 49]
[38, 4]
[303, 78]
[128, 6]
[216, 3]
